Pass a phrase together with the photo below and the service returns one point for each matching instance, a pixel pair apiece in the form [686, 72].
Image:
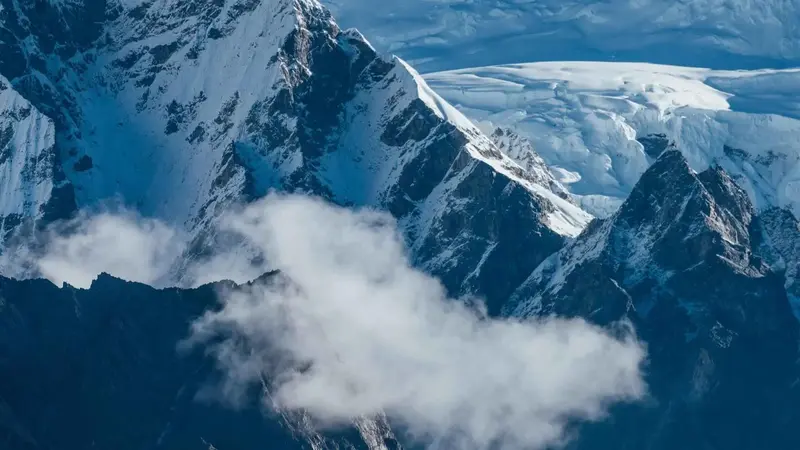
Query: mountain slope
[99, 368]
[179, 109]
[32, 181]
[684, 259]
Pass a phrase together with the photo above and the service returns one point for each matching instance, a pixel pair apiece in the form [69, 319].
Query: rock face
[684, 259]
[781, 246]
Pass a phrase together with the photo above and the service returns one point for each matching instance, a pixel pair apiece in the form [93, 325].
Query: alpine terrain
[661, 205]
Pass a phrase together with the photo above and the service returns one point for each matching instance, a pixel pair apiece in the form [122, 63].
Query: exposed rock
[684, 260]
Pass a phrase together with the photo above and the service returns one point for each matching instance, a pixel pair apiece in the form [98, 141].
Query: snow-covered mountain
[31, 177]
[688, 261]
[600, 125]
[179, 109]
[452, 34]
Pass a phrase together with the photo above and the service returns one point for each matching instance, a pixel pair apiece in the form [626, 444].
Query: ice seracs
[600, 125]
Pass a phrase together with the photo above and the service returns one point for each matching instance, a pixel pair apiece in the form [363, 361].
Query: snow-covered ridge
[600, 125]
[183, 107]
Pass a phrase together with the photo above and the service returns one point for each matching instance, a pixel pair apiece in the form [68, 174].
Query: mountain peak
[674, 221]
[708, 286]
[179, 109]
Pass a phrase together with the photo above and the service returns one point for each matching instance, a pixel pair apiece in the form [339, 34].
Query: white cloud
[359, 331]
[120, 243]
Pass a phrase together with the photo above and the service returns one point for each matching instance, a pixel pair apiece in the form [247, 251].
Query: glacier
[599, 125]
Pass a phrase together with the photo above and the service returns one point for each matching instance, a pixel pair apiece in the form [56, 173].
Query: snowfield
[449, 34]
[600, 125]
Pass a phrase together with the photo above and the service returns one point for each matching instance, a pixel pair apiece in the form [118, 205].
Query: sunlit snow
[586, 119]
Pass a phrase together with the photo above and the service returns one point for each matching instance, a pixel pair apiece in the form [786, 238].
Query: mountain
[453, 34]
[598, 126]
[179, 109]
[99, 368]
[521, 150]
[685, 259]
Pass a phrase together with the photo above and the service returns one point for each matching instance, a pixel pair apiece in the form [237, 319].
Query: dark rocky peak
[680, 235]
[685, 217]
[659, 196]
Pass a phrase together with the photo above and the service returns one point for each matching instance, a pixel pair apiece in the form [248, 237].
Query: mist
[350, 329]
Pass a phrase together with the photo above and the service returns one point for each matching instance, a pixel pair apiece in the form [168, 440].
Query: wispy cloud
[358, 331]
[120, 243]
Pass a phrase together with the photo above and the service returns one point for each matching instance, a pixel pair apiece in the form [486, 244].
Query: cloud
[134, 248]
[120, 243]
[358, 331]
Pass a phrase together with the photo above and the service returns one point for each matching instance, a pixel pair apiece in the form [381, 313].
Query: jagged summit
[674, 222]
[687, 261]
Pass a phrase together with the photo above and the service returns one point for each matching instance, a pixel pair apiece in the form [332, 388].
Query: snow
[27, 138]
[442, 109]
[437, 35]
[567, 219]
[148, 162]
[585, 119]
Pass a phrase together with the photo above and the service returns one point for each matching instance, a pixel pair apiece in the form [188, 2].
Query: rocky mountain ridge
[688, 262]
[179, 109]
